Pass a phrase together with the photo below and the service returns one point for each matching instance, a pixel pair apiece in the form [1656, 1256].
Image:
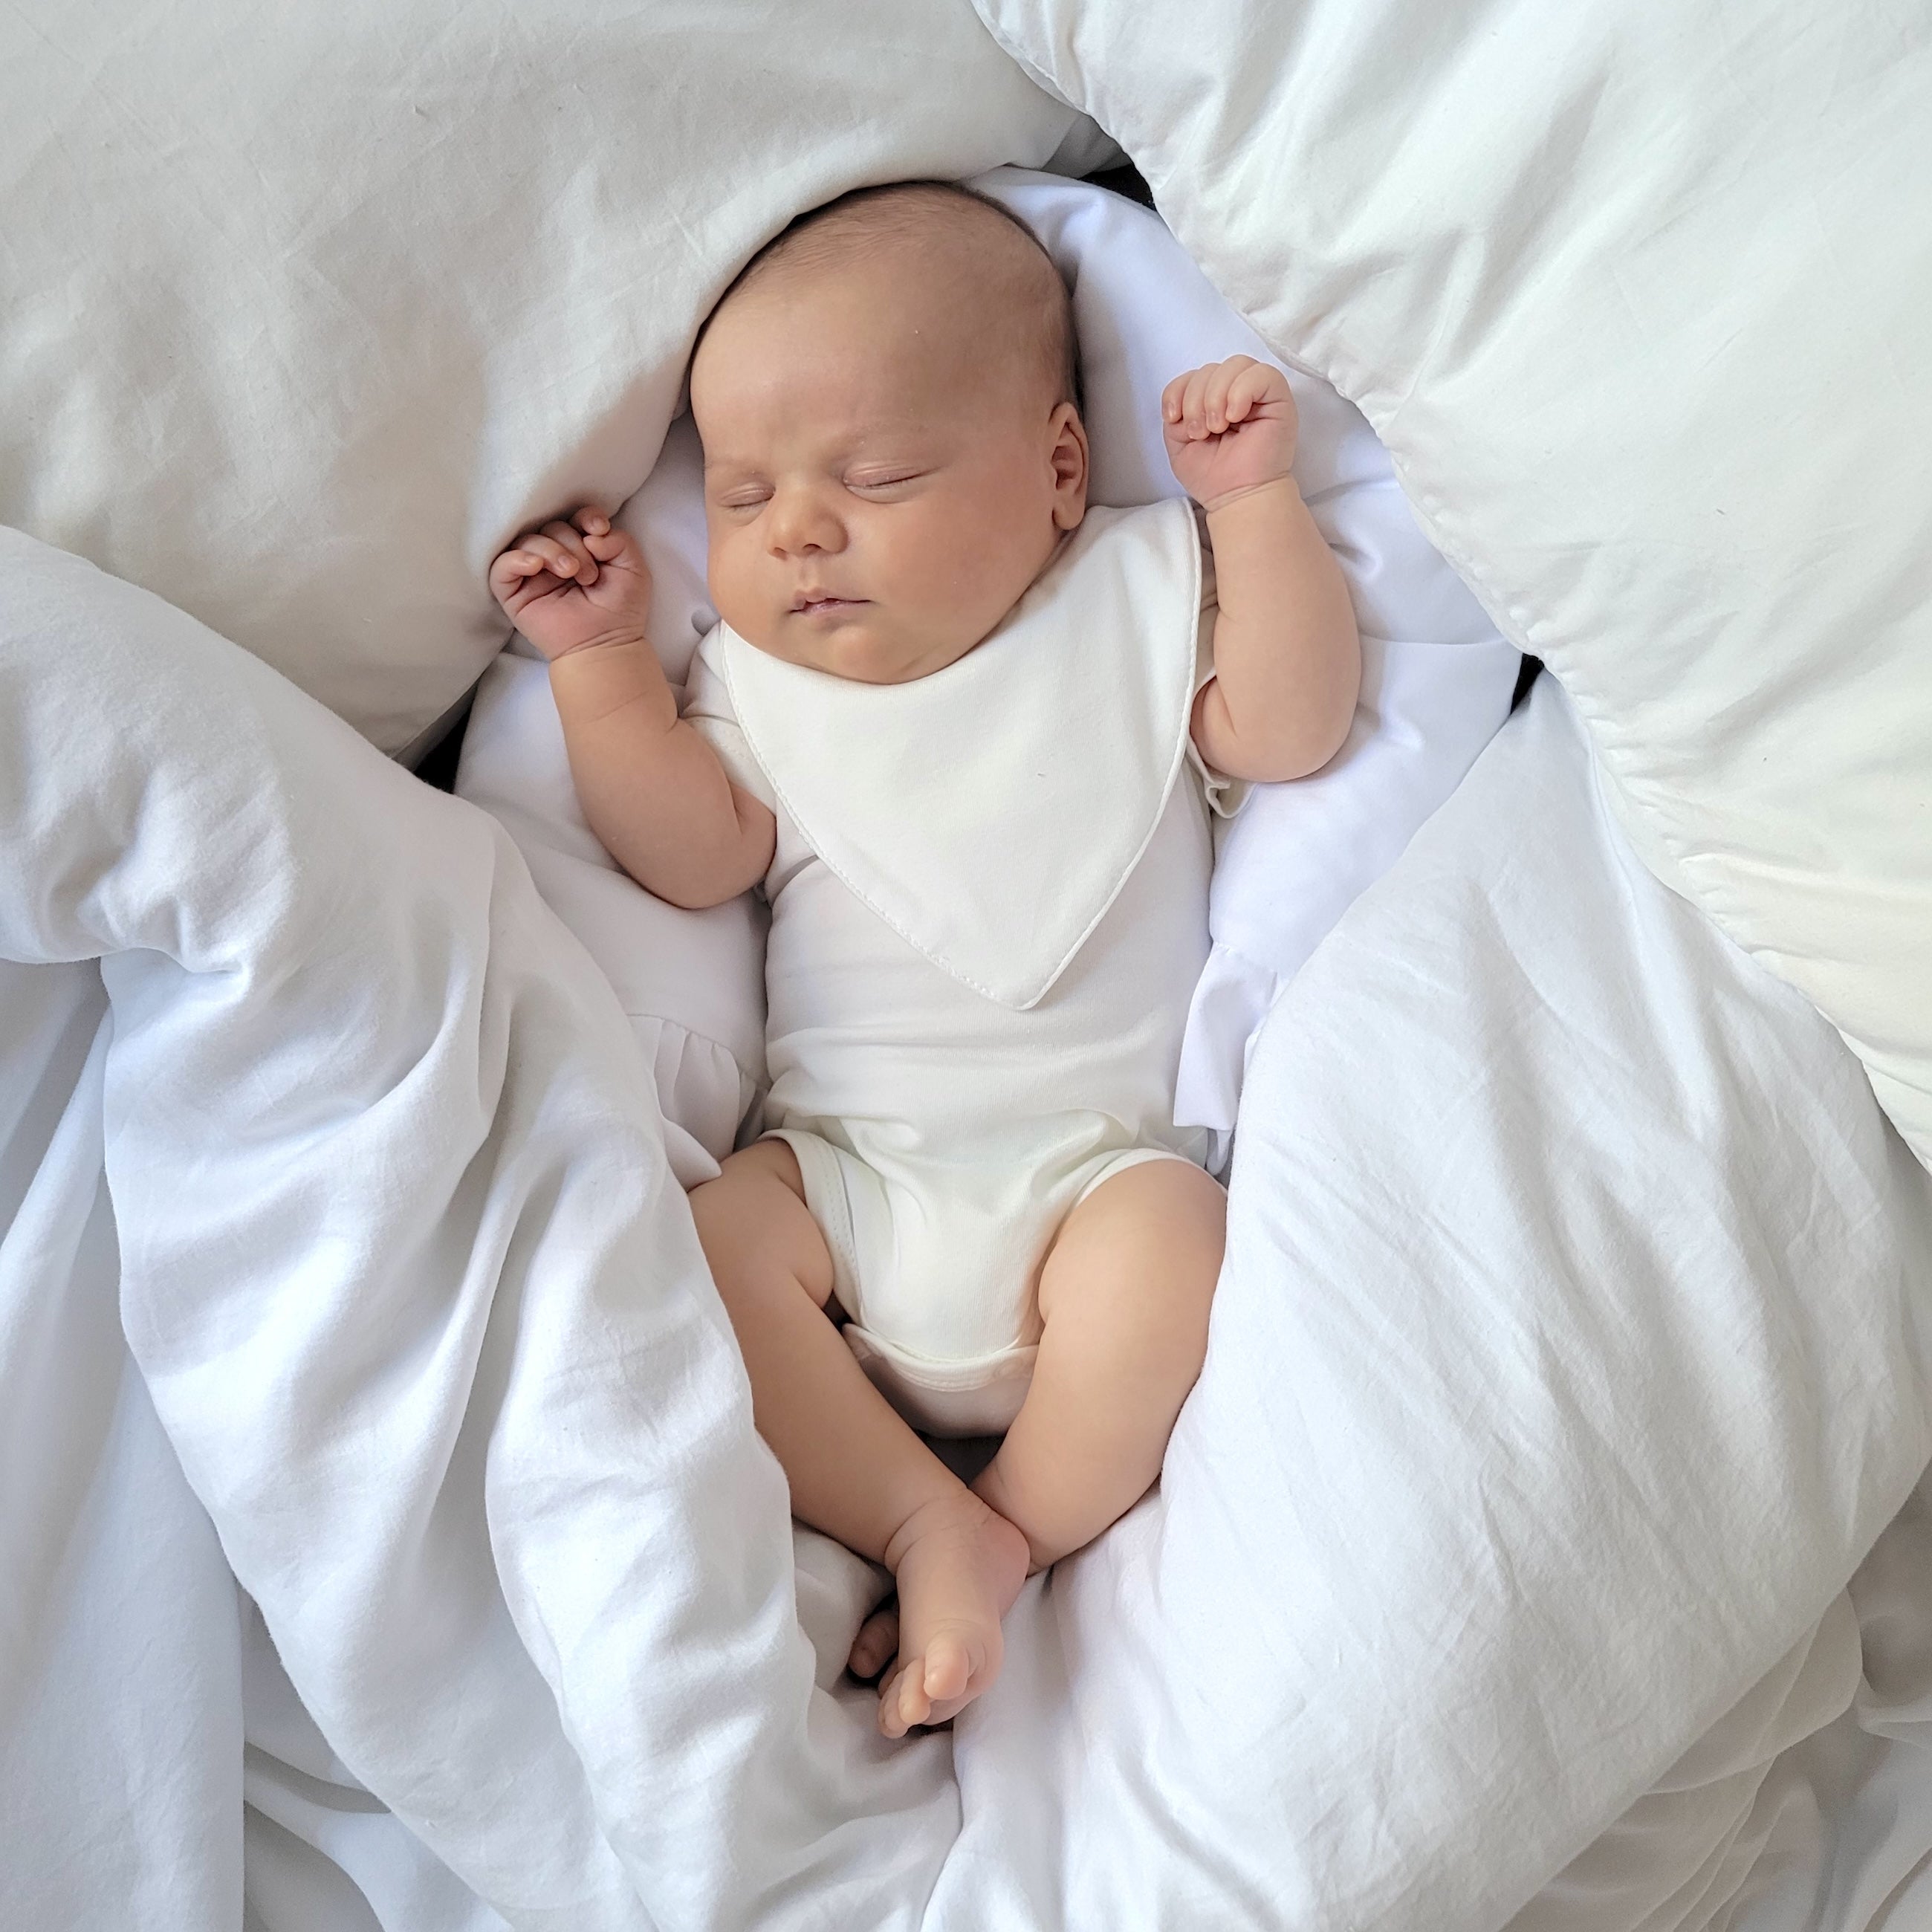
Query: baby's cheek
[996, 568]
[946, 574]
[731, 581]
[907, 568]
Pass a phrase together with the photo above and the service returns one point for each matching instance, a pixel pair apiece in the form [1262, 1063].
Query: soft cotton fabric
[1675, 1231]
[308, 313]
[1499, 1491]
[310, 1099]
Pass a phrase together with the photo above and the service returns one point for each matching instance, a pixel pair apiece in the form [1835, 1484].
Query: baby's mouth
[815, 605]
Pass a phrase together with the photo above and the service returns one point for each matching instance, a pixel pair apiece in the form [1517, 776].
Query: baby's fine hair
[909, 210]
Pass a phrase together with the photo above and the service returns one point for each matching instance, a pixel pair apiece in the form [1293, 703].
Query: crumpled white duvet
[1569, 1357]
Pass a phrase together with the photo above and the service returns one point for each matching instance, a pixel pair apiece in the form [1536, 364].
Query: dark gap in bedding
[437, 766]
[1524, 678]
[1128, 181]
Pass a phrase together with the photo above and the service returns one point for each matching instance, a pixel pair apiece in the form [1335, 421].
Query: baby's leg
[1123, 1297]
[857, 1471]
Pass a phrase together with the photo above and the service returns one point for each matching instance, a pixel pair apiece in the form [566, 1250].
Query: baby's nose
[802, 522]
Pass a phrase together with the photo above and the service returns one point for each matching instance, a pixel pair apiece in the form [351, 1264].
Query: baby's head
[892, 448]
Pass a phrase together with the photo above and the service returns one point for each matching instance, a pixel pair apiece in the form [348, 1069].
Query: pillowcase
[1634, 296]
[1438, 683]
[308, 312]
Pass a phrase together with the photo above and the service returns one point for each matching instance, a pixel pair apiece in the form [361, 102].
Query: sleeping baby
[966, 735]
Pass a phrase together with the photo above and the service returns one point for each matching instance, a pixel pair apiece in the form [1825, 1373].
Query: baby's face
[876, 498]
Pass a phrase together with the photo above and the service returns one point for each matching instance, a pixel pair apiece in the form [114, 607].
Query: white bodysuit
[989, 908]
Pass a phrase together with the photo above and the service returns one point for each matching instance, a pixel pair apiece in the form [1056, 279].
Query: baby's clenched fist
[574, 584]
[1230, 428]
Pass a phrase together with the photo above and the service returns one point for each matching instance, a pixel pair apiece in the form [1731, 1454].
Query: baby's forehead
[927, 258]
[917, 227]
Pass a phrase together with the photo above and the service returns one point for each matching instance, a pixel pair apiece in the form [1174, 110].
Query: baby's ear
[1068, 456]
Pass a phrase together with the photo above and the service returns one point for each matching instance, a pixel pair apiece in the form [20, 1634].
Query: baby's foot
[959, 1565]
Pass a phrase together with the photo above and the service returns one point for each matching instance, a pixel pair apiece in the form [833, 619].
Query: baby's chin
[860, 645]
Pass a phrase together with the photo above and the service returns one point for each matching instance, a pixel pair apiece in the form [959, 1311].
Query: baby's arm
[652, 789]
[1287, 661]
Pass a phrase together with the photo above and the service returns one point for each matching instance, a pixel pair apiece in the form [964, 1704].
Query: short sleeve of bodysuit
[707, 709]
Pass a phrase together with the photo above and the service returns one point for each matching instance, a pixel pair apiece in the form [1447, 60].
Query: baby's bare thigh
[1145, 1246]
[752, 1222]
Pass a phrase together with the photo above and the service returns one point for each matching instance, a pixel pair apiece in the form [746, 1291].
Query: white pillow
[1637, 297]
[307, 312]
[1438, 682]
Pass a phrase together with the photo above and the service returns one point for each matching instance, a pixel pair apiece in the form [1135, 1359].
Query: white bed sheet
[1573, 1270]
[1845, 1818]
[1833, 1835]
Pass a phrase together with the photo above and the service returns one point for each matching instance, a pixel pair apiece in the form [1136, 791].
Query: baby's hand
[1230, 428]
[575, 583]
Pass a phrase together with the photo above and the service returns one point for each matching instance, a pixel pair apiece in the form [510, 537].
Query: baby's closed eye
[871, 481]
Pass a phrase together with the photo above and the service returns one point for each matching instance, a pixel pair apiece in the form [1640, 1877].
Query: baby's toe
[877, 1641]
[903, 1702]
[949, 1669]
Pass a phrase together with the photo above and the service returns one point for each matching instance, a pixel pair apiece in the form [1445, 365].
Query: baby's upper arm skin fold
[758, 828]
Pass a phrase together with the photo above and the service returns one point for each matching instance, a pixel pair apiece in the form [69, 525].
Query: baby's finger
[1174, 397]
[1249, 385]
[607, 544]
[549, 553]
[591, 520]
[1214, 404]
[511, 570]
[1194, 411]
[570, 540]
[1190, 404]
[1228, 377]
